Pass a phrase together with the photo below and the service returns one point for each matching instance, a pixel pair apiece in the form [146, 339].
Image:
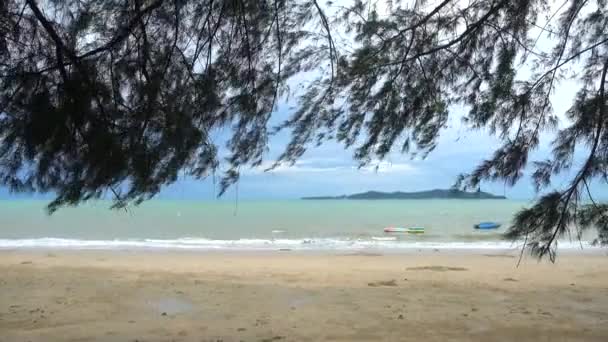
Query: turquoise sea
[255, 225]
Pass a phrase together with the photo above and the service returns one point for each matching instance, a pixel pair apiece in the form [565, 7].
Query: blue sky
[330, 169]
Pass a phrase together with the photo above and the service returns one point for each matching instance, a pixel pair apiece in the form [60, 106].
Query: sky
[330, 169]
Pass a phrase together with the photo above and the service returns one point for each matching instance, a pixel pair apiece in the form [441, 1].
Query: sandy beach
[284, 296]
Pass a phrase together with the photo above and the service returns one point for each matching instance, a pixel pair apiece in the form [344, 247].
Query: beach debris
[163, 314]
[241, 329]
[474, 309]
[261, 322]
[510, 279]
[400, 316]
[391, 282]
[27, 262]
[284, 249]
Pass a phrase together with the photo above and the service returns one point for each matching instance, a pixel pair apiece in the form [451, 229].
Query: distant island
[430, 194]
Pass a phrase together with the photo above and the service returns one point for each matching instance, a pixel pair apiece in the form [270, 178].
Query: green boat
[409, 230]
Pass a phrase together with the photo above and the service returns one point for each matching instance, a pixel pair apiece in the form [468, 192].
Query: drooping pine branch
[124, 96]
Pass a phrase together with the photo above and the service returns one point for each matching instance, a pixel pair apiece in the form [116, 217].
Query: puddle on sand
[171, 305]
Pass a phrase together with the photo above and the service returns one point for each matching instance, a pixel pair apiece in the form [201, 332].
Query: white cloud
[388, 167]
[330, 165]
[305, 169]
[304, 166]
[329, 161]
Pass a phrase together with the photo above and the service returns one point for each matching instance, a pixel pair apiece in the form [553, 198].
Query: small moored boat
[487, 225]
[409, 230]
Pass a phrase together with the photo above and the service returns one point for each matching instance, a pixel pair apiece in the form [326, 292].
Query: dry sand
[285, 296]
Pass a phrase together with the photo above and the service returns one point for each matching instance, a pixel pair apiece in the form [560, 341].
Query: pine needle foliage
[121, 96]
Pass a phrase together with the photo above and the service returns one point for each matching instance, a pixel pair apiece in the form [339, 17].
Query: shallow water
[171, 305]
[293, 224]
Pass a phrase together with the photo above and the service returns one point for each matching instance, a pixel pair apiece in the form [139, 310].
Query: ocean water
[260, 225]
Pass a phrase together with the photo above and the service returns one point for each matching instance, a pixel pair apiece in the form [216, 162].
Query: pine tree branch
[467, 32]
[582, 174]
[332, 48]
[125, 31]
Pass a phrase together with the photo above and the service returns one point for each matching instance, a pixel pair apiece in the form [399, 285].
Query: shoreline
[409, 251]
[327, 246]
[421, 252]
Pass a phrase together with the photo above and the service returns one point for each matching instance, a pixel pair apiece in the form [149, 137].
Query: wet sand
[286, 296]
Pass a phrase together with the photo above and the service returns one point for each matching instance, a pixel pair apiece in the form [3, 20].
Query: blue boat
[487, 225]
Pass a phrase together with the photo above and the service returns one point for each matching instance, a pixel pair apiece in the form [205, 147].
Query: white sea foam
[384, 238]
[311, 244]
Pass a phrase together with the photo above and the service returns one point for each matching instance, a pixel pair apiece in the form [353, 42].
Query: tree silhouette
[121, 95]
